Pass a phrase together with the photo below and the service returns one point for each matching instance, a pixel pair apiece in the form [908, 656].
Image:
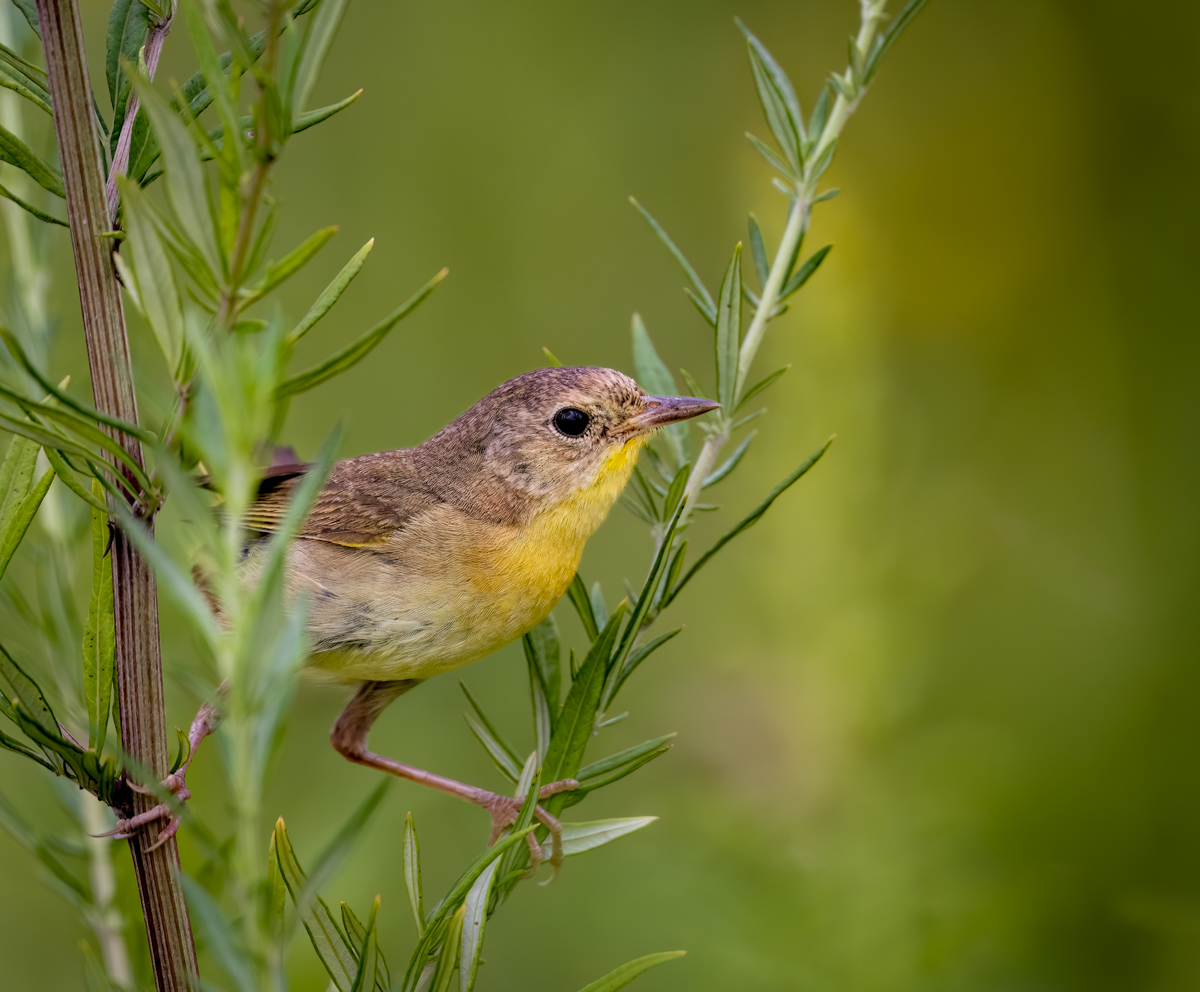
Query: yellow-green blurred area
[937, 712]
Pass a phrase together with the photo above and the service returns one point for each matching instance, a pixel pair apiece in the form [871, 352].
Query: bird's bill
[662, 410]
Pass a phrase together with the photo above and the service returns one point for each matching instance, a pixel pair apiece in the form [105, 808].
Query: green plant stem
[797, 225]
[799, 214]
[138, 661]
[105, 918]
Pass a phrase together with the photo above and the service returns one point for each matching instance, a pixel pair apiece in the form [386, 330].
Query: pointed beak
[662, 410]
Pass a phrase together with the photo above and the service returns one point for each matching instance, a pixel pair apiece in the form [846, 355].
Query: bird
[421, 560]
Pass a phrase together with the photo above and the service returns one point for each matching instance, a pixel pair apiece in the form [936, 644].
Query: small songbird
[422, 560]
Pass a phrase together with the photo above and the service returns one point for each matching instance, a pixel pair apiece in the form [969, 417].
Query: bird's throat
[548, 549]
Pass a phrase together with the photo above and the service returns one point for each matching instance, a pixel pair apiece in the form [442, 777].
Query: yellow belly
[443, 603]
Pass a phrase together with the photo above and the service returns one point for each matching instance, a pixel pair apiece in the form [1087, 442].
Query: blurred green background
[937, 712]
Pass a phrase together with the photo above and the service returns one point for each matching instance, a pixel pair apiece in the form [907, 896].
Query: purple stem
[155, 38]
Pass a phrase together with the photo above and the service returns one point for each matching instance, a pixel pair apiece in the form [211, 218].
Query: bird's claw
[504, 811]
[176, 785]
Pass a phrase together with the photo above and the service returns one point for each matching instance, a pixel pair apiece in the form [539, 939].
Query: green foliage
[622, 976]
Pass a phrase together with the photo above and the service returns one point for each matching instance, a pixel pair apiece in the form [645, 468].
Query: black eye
[571, 422]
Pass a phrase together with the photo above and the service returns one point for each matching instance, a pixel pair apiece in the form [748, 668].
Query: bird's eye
[571, 422]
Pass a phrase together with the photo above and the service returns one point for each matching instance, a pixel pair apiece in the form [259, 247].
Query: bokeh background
[937, 713]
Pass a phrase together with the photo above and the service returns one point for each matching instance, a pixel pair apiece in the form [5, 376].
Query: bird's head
[550, 433]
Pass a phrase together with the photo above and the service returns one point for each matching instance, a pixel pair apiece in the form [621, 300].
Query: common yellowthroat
[422, 560]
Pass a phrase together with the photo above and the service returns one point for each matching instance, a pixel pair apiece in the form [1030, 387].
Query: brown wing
[365, 501]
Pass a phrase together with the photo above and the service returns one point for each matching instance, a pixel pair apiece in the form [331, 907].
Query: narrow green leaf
[81, 426]
[454, 897]
[16, 476]
[758, 249]
[642, 608]
[187, 189]
[412, 873]
[693, 386]
[580, 837]
[652, 374]
[15, 152]
[222, 92]
[497, 748]
[820, 114]
[356, 935]
[368, 957]
[279, 272]
[673, 570]
[675, 493]
[183, 590]
[64, 445]
[596, 774]
[654, 377]
[777, 97]
[758, 387]
[157, 295]
[474, 920]
[29, 9]
[622, 976]
[543, 641]
[32, 72]
[729, 328]
[709, 316]
[731, 462]
[357, 350]
[542, 727]
[888, 38]
[750, 520]
[18, 524]
[314, 117]
[331, 293]
[128, 21]
[318, 39]
[25, 697]
[22, 86]
[327, 940]
[772, 158]
[99, 641]
[448, 959]
[805, 272]
[570, 739]
[43, 435]
[67, 477]
[578, 594]
[644, 491]
[40, 215]
[599, 607]
[640, 654]
[703, 298]
[276, 893]
[552, 358]
[14, 745]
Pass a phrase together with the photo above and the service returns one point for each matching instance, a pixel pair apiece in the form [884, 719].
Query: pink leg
[349, 737]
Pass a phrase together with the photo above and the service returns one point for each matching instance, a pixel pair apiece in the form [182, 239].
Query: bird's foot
[176, 785]
[505, 809]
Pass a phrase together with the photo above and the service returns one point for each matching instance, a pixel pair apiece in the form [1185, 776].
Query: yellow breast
[538, 563]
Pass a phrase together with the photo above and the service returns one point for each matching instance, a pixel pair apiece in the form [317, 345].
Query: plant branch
[155, 38]
[138, 662]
